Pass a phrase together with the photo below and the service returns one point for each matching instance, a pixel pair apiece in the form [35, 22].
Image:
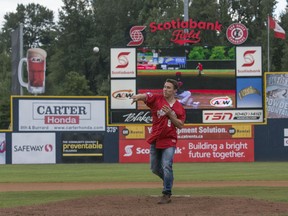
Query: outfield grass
[184, 172]
[188, 72]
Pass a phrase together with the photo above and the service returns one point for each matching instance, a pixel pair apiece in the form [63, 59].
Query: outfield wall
[85, 136]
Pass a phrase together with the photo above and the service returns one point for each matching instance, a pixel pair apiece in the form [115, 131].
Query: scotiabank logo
[128, 150]
[248, 58]
[136, 36]
[123, 59]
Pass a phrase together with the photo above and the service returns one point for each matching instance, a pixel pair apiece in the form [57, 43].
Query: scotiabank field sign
[178, 27]
[217, 143]
[61, 114]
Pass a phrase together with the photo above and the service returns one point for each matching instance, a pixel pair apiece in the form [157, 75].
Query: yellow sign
[242, 131]
[135, 132]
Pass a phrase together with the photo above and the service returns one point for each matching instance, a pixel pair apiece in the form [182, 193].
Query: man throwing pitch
[168, 115]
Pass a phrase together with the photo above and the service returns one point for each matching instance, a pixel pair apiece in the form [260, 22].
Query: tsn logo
[217, 116]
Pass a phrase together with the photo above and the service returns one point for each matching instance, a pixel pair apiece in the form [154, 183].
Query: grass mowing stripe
[13, 199]
[276, 171]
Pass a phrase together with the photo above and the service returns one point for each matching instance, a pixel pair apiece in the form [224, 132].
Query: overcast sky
[11, 5]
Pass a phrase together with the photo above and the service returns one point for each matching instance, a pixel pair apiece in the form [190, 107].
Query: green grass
[189, 72]
[141, 173]
[184, 172]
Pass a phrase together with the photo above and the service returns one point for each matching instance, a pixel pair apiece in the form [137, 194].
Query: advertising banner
[276, 95]
[2, 148]
[232, 116]
[249, 61]
[214, 143]
[121, 94]
[131, 117]
[61, 115]
[82, 147]
[232, 150]
[33, 148]
[123, 64]
[192, 132]
[249, 93]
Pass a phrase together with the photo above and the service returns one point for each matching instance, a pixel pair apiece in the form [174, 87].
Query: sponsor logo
[285, 141]
[237, 33]
[128, 150]
[136, 36]
[248, 58]
[248, 91]
[123, 94]
[61, 120]
[2, 146]
[33, 148]
[125, 132]
[144, 151]
[48, 147]
[221, 101]
[123, 60]
[232, 116]
[218, 116]
[138, 117]
[184, 32]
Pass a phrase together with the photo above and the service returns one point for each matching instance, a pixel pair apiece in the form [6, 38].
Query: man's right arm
[138, 97]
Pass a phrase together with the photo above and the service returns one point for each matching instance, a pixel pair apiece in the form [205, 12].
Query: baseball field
[258, 188]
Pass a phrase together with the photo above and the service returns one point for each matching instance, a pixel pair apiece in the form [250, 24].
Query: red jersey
[164, 132]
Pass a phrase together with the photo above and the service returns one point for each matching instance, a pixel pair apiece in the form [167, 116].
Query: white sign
[248, 61]
[230, 116]
[123, 63]
[285, 141]
[33, 148]
[62, 115]
[2, 148]
[121, 93]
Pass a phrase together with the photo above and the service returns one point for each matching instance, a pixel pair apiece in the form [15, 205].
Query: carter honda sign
[62, 115]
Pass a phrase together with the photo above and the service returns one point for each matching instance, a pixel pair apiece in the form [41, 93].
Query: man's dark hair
[174, 82]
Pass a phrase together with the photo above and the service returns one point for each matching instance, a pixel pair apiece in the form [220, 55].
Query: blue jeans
[161, 161]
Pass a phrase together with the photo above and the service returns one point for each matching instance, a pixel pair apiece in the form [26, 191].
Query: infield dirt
[147, 205]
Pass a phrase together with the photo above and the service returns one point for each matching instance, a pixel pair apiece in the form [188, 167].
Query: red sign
[217, 150]
[237, 33]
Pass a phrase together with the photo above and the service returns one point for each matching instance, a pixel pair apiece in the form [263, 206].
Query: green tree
[38, 25]
[218, 53]
[73, 47]
[197, 53]
[75, 84]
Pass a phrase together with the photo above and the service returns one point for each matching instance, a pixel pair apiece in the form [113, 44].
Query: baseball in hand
[96, 49]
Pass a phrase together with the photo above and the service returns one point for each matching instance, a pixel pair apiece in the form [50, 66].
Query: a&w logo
[136, 36]
[123, 94]
[221, 101]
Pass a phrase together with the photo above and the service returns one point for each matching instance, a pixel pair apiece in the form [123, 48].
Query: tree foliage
[73, 68]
